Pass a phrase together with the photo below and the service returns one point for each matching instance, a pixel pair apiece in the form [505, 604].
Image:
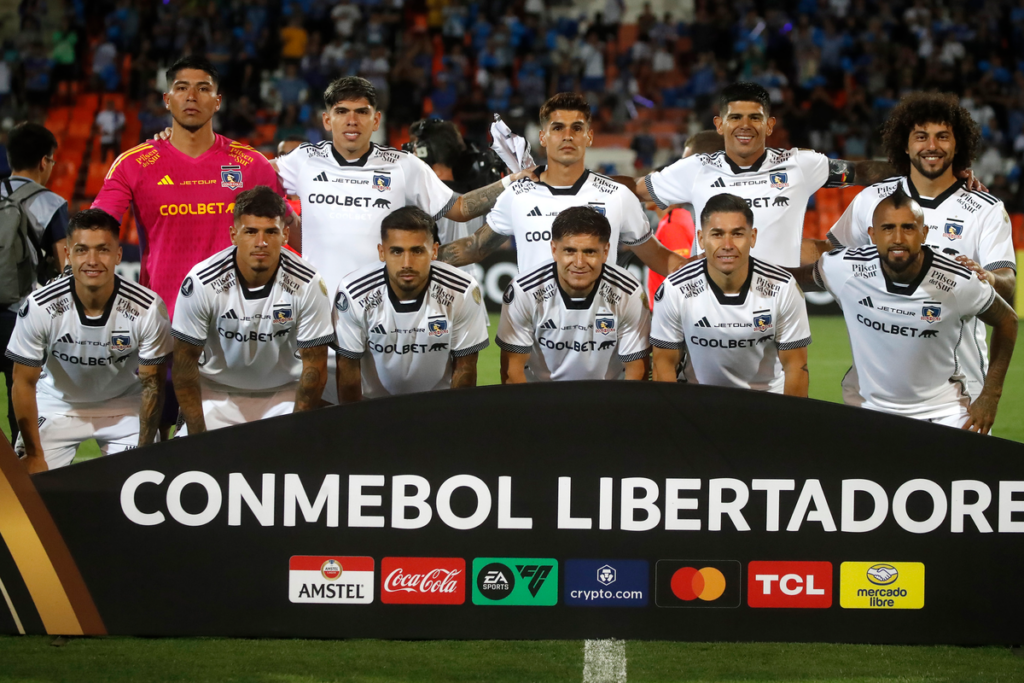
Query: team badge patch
[438, 327]
[660, 293]
[382, 182]
[24, 309]
[231, 177]
[779, 180]
[476, 295]
[509, 295]
[341, 302]
[604, 325]
[282, 314]
[120, 341]
[187, 287]
[762, 321]
[931, 313]
[323, 287]
[599, 208]
[953, 231]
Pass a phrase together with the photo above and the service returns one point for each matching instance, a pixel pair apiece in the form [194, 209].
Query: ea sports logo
[331, 570]
[689, 583]
[496, 581]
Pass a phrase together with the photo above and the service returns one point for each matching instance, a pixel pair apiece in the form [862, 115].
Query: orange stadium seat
[828, 199]
[811, 225]
[94, 179]
[848, 193]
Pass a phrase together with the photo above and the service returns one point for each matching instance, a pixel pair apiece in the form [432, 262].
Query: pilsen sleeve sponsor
[315, 327]
[155, 342]
[635, 228]
[31, 339]
[515, 329]
[667, 322]
[470, 322]
[995, 244]
[424, 189]
[674, 185]
[792, 331]
[349, 325]
[193, 314]
[118, 189]
[634, 327]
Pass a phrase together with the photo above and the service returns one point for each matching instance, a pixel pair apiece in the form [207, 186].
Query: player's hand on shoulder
[973, 184]
[983, 275]
[530, 173]
[164, 135]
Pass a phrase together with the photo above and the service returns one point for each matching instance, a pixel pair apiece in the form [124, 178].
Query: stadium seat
[811, 226]
[94, 178]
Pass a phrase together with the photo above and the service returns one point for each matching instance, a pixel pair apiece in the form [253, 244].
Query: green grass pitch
[113, 660]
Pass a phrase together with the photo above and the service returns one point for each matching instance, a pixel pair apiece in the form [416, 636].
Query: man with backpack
[33, 228]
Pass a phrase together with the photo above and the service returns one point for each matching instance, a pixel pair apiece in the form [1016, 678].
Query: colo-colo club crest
[604, 325]
[931, 312]
[120, 341]
[779, 180]
[762, 321]
[231, 177]
[953, 231]
[382, 182]
[437, 328]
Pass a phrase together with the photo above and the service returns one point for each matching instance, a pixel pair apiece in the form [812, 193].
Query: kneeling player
[413, 324]
[579, 317]
[254, 310]
[909, 309]
[743, 321]
[76, 348]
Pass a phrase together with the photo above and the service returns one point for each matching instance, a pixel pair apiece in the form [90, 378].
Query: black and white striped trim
[512, 348]
[204, 274]
[21, 360]
[949, 266]
[798, 344]
[476, 348]
[364, 285]
[635, 356]
[449, 280]
[662, 344]
[991, 298]
[986, 197]
[537, 277]
[623, 281]
[996, 265]
[187, 339]
[654, 195]
[354, 355]
[136, 295]
[47, 295]
[155, 361]
[301, 275]
[326, 340]
[447, 207]
[833, 240]
[643, 238]
[770, 271]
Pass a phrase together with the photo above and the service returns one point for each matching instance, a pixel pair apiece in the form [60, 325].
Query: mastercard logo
[705, 584]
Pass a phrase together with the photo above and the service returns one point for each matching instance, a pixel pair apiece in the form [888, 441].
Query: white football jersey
[344, 202]
[407, 346]
[974, 224]
[251, 338]
[732, 341]
[89, 365]
[527, 209]
[569, 338]
[907, 341]
[776, 187]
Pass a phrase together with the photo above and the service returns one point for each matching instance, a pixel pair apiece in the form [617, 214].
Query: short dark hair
[196, 62]
[727, 203]
[350, 88]
[581, 220]
[705, 142]
[925, 107]
[898, 200]
[743, 91]
[27, 144]
[94, 219]
[411, 218]
[565, 101]
[443, 138]
[262, 202]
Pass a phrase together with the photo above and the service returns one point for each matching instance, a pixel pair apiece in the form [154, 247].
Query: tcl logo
[423, 580]
[789, 584]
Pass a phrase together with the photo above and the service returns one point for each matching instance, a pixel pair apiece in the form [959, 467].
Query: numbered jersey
[251, 337]
[568, 338]
[344, 202]
[408, 346]
[527, 209]
[89, 365]
[776, 187]
[907, 341]
[733, 341]
[960, 222]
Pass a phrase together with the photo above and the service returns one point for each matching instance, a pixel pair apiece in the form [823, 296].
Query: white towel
[513, 149]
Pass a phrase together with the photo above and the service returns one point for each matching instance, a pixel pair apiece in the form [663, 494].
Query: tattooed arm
[23, 396]
[350, 383]
[185, 375]
[794, 366]
[478, 202]
[314, 378]
[153, 379]
[472, 249]
[464, 371]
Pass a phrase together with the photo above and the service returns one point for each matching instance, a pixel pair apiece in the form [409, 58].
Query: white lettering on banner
[642, 507]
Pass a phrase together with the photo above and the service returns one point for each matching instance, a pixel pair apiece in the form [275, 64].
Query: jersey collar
[731, 300]
[585, 303]
[261, 293]
[736, 169]
[343, 162]
[909, 289]
[416, 304]
[102, 320]
[937, 201]
[564, 190]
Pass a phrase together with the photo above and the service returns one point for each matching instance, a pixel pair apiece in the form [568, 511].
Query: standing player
[77, 348]
[414, 324]
[930, 140]
[906, 308]
[261, 316]
[776, 183]
[579, 317]
[528, 210]
[743, 321]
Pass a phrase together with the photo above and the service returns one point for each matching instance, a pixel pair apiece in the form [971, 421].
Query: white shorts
[956, 421]
[61, 435]
[224, 410]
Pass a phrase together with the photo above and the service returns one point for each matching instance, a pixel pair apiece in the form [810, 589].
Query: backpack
[20, 253]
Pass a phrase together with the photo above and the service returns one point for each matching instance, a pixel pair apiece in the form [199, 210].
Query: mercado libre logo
[527, 581]
[697, 583]
[881, 585]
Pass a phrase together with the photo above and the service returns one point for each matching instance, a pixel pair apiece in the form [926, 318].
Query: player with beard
[931, 140]
[906, 307]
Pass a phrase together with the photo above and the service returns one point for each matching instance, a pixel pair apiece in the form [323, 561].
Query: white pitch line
[604, 661]
[10, 606]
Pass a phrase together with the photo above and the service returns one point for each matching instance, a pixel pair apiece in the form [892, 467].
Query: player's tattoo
[472, 249]
[464, 371]
[152, 378]
[350, 388]
[479, 202]
[185, 375]
[313, 379]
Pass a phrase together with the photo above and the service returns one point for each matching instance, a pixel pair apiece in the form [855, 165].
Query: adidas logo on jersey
[166, 180]
[322, 177]
[718, 183]
[230, 315]
[866, 301]
[66, 339]
[549, 325]
[535, 212]
[703, 322]
[378, 329]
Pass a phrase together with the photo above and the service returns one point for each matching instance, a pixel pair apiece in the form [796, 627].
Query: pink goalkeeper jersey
[183, 206]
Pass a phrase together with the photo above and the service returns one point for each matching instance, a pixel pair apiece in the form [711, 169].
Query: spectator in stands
[291, 89]
[109, 124]
[645, 145]
[37, 77]
[591, 56]
[63, 54]
[293, 39]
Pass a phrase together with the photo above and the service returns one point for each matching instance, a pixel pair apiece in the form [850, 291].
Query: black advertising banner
[564, 510]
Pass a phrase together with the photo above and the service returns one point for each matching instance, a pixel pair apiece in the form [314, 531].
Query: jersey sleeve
[192, 313]
[851, 230]
[118, 188]
[500, 217]
[470, 323]
[288, 170]
[349, 326]
[792, 330]
[31, 336]
[155, 344]
[266, 175]
[424, 189]
[635, 229]
[667, 322]
[674, 185]
[995, 246]
[634, 328]
[515, 329]
[315, 326]
[974, 297]
[826, 272]
[816, 170]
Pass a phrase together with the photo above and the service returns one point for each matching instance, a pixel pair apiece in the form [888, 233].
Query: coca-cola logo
[423, 580]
